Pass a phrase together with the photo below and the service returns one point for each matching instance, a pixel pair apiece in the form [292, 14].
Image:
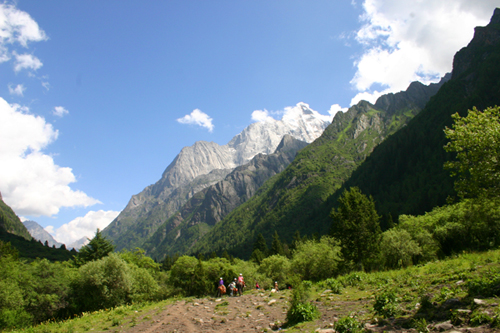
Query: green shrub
[352, 280]
[103, 283]
[10, 318]
[486, 285]
[398, 248]
[348, 324]
[276, 268]
[386, 304]
[316, 261]
[479, 319]
[300, 312]
[334, 285]
[420, 325]
[301, 309]
[457, 318]
[144, 286]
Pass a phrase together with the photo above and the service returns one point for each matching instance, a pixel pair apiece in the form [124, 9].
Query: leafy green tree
[276, 268]
[6, 249]
[260, 244]
[103, 283]
[257, 256]
[356, 225]
[97, 248]
[476, 140]
[183, 274]
[139, 258]
[398, 248]
[297, 239]
[317, 260]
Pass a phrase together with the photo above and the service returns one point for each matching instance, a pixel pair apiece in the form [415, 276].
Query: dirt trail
[257, 311]
[252, 312]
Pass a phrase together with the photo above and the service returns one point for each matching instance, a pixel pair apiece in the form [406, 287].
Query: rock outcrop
[211, 205]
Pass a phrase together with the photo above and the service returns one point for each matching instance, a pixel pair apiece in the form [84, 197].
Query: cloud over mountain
[85, 226]
[197, 117]
[30, 181]
[407, 41]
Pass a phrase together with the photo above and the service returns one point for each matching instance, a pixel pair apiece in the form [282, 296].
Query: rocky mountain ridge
[212, 204]
[203, 164]
[38, 232]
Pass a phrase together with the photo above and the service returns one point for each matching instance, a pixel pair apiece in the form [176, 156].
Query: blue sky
[93, 93]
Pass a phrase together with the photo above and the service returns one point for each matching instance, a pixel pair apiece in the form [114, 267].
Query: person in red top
[240, 284]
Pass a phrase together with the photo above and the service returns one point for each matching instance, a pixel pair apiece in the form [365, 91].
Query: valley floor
[454, 295]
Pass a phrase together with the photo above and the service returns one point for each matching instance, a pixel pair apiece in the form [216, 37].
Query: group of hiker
[236, 286]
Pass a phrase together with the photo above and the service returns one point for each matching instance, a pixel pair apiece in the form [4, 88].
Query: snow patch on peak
[302, 111]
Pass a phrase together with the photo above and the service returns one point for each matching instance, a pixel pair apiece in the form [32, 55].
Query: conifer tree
[277, 247]
[97, 248]
[356, 225]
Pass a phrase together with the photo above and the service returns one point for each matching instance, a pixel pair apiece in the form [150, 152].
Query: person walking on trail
[232, 287]
[240, 284]
[221, 289]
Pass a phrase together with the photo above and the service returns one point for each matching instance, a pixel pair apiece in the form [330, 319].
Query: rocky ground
[259, 311]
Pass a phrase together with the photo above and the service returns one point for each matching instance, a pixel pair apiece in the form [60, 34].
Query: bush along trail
[460, 294]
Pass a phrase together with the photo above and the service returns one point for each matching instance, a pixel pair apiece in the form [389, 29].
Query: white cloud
[262, 116]
[18, 90]
[59, 111]
[336, 108]
[413, 40]
[17, 26]
[26, 61]
[30, 182]
[85, 226]
[197, 117]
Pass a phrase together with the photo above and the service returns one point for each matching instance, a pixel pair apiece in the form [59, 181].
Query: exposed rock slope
[203, 164]
[209, 206]
[37, 232]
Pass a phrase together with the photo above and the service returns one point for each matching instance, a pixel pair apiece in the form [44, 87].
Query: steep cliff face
[484, 42]
[203, 164]
[211, 205]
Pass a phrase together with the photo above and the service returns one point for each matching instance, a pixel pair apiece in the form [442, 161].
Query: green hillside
[10, 222]
[291, 200]
[13, 231]
[405, 174]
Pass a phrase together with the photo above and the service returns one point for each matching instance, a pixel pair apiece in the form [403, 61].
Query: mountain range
[286, 175]
[404, 174]
[172, 215]
[202, 165]
[38, 232]
[391, 150]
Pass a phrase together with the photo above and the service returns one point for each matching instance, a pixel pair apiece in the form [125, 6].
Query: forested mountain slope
[405, 174]
[10, 222]
[290, 201]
